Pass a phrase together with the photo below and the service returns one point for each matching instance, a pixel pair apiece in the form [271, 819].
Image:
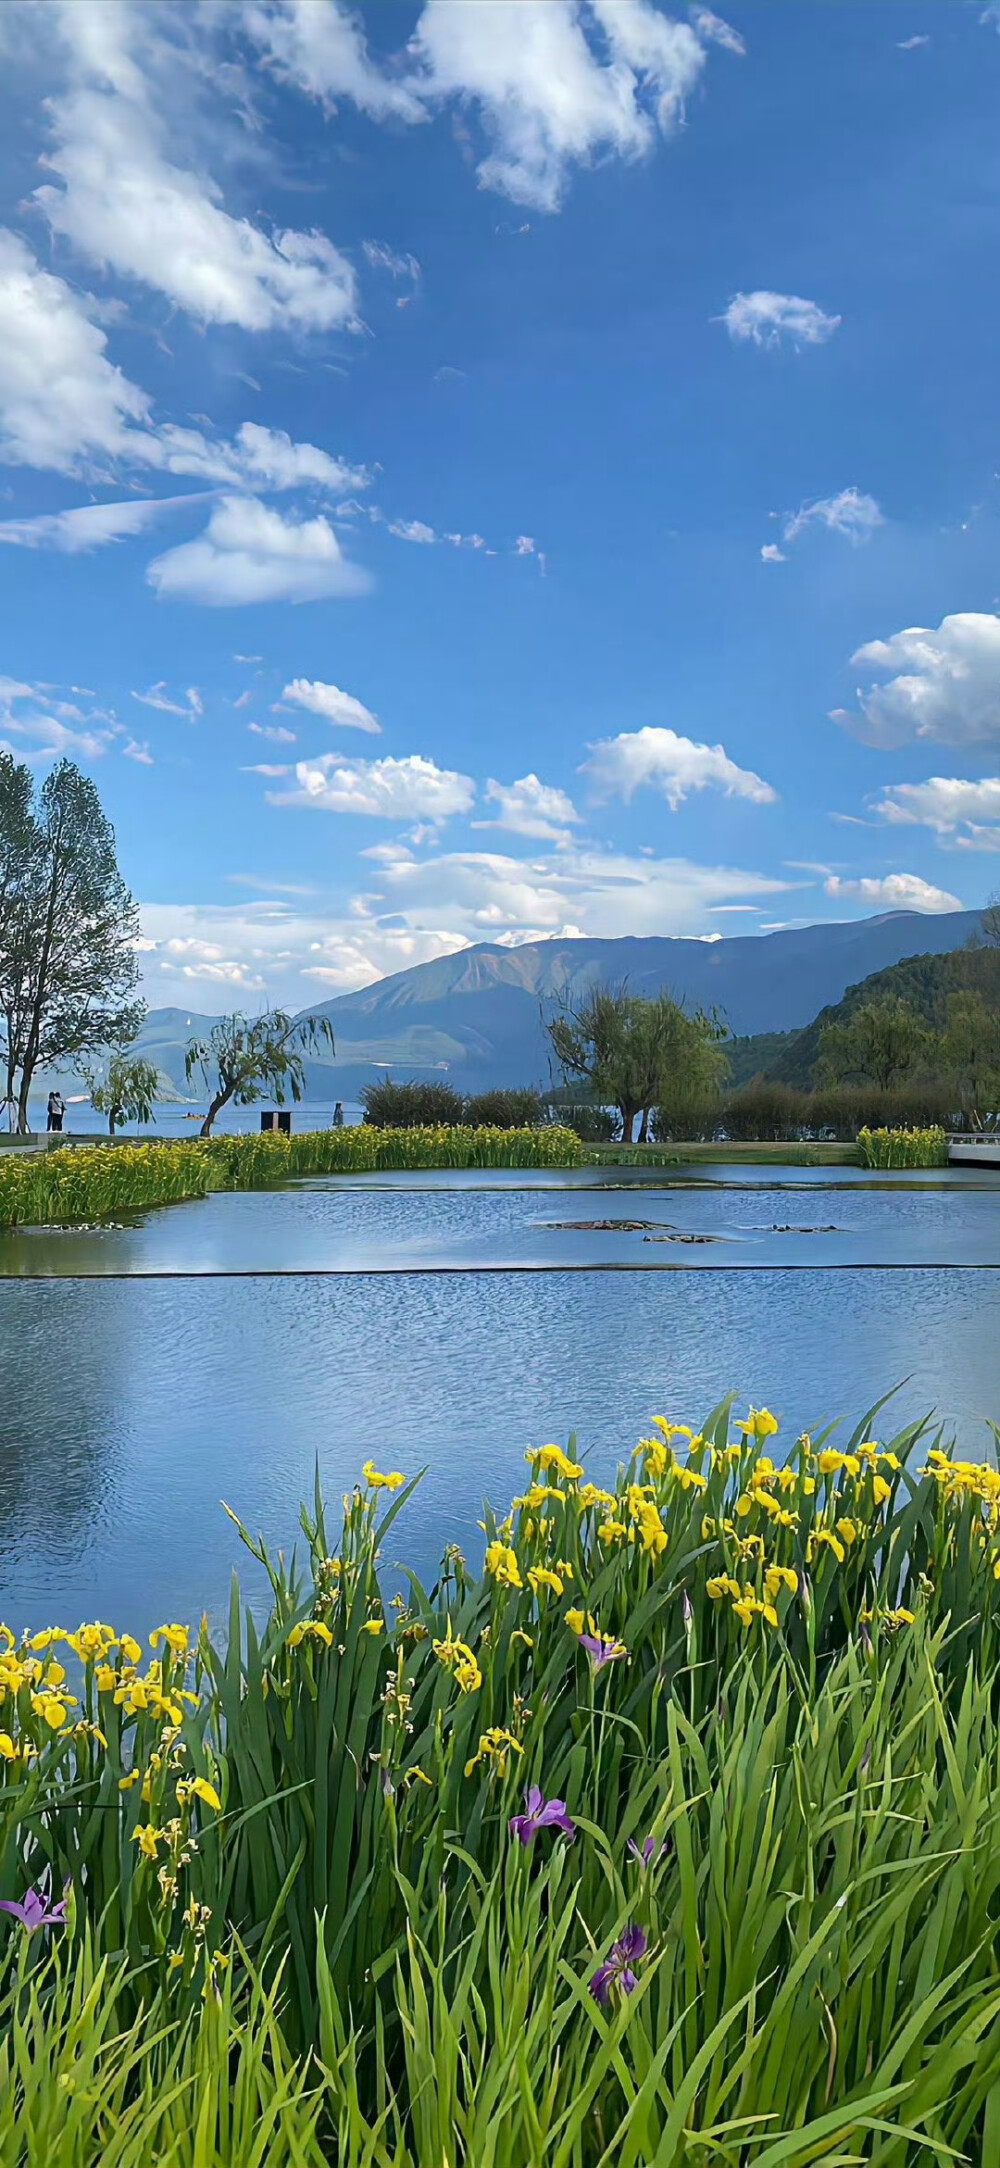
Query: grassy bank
[671, 1836]
[98, 1182]
[728, 1154]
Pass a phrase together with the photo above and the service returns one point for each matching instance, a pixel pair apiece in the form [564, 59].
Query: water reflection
[131, 1407]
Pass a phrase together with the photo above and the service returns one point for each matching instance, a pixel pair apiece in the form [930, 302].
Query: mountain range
[477, 1018]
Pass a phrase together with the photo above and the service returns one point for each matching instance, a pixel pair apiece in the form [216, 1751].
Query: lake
[222, 1349]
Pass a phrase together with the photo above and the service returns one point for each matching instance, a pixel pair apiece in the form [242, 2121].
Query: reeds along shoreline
[58, 1187]
[669, 1833]
[899, 1148]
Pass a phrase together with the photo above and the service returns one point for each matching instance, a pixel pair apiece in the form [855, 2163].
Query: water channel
[223, 1349]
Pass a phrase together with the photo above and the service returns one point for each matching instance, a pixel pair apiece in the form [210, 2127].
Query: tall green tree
[127, 1091]
[243, 1057]
[635, 1054]
[970, 1052]
[17, 841]
[68, 964]
[883, 1042]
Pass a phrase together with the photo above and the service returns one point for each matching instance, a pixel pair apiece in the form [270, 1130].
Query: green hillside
[924, 982]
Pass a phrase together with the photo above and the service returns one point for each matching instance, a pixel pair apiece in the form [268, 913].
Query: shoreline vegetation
[97, 1179]
[669, 1833]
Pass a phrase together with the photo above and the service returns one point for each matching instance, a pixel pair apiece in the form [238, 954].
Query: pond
[223, 1350]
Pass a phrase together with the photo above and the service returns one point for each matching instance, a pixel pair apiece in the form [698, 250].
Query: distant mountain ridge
[478, 1017]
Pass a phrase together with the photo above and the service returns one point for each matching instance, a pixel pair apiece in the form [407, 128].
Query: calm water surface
[219, 1351]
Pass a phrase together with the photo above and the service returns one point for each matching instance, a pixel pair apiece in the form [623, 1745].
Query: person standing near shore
[55, 1111]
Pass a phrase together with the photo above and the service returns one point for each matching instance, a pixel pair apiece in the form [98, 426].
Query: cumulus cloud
[410, 789]
[335, 706]
[120, 199]
[89, 526]
[255, 458]
[944, 685]
[675, 766]
[771, 554]
[554, 84]
[766, 319]
[193, 950]
[62, 402]
[323, 51]
[530, 808]
[251, 554]
[488, 895]
[412, 530]
[850, 513]
[961, 812]
[893, 892]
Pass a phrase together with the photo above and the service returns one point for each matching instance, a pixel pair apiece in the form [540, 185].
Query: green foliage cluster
[637, 1054]
[762, 1695]
[411, 1104]
[767, 1111]
[414, 1104]
[941, 995]
[903, 1147]
[94, 1182]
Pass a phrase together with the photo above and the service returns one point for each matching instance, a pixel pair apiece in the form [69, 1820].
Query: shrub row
[418, 1105]
[95, 1182]
[766, 1112]
[670, 1833]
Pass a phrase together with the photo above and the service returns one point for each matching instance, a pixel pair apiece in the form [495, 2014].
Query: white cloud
[273, 732]
[673, 765]
[157, 697]
[909, 45]
[133, 750]
[413, 530]
[766, 319]
[62, 402]
[335, 706]
[193, 951]
[256, 458]
[410, 789]
[772, 555]
[123, 202]
[547, 98]
[893, 892]
[487, 895]
[250, 554]
[555, 83]
[850, 513]
[960, 812]
[944, 685]
[716, 31]
[322, 50]
[530, 808]
[64, 405]
[398, 265]
[89, 526]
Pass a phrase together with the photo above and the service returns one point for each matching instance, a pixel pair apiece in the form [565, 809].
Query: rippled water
[227, 1357]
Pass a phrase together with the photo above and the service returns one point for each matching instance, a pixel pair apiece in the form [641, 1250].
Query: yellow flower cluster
[460, 1661]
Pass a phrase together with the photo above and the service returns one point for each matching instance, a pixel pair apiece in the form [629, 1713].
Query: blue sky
[491, 468]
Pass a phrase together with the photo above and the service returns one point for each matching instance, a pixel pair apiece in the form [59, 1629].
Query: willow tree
[637, 1054]
[243, 1057]
[68, 964]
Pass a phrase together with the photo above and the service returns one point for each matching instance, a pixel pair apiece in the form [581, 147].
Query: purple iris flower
[602, 1649]
[647, 1852]
[632, 1944]
[540, 1813]
[34, 1912]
